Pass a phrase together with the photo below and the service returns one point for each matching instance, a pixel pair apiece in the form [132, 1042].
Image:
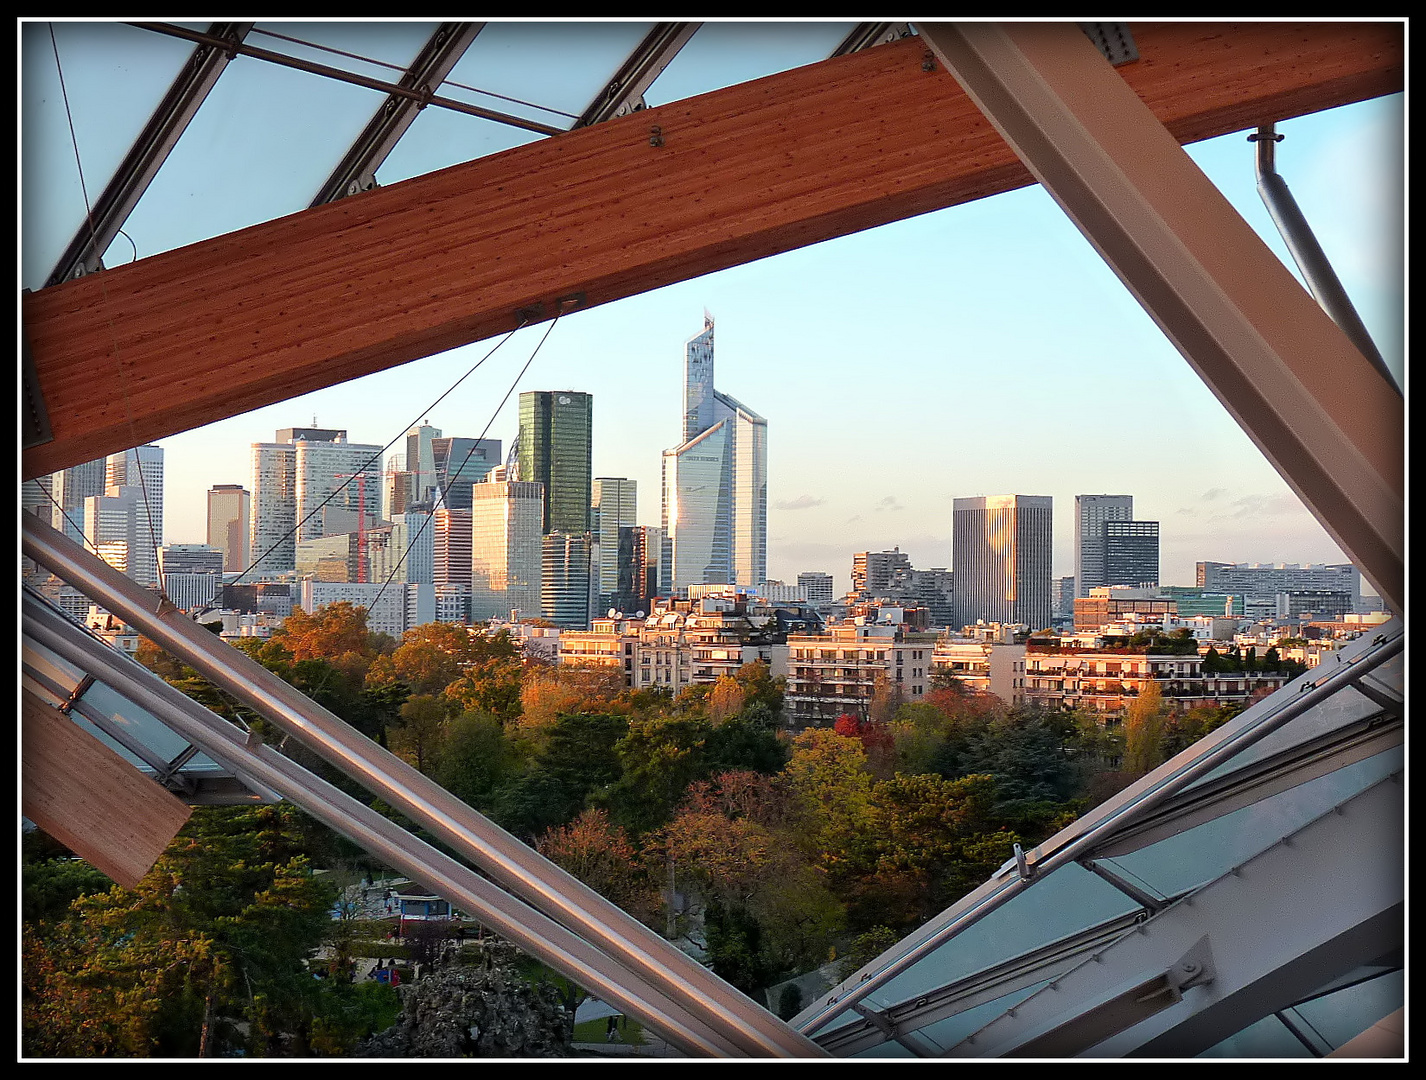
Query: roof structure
[408, 212]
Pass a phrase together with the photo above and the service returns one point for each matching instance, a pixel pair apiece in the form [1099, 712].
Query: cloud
[802, 502]
[889, 503]
[1213, 493]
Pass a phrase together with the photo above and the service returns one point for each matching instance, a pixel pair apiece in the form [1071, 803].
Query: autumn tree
[830, 787]
[552, 690]
[1144, 724]
[601, 855]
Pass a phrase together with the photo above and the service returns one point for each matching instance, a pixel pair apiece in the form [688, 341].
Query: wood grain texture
[250, 318]
[89, 798]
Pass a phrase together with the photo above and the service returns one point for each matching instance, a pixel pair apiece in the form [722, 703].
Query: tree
[831, 789]
[336, 633]
[553, 690]
[601, 855]
[419, 739]
[217, 931]
[1144, 730]
[476, 758]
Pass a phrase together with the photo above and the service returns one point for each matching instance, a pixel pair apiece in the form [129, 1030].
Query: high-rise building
[1090, 514]
[459, 462]
[565, 580]
[505, 547]
[614, 507]
[556, 449]
[640, 554]
[714, 484]
[229, 511]
[298, 491]
[878, 573]
[450, 548]
[116, 528]
[70, 487]
[1131, 553]
[818, 586]
[1002, 547]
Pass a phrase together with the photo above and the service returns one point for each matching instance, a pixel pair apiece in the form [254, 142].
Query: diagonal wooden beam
[244, 320]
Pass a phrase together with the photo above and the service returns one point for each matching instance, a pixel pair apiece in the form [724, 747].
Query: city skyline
[879, 417]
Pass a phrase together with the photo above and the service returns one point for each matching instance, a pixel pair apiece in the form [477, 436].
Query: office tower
[878, 573]
[614, 507]
[1131, 552]
[70, 487]
[555, 452]
[817, 586]
[292, 479]
[459, 462]
[420, 459]
[142, 468]
[413, 540]
[450, 548]
[1090, 514]
[229, 509]
[192, 574]
[640, 553]
[565, 580]
[714, 484]
[116, 528]
[1001, 552]
[505, 547]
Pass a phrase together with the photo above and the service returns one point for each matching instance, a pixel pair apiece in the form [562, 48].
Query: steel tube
[1160, 785]
[513, 865]
[512, 919]
[1302, 244]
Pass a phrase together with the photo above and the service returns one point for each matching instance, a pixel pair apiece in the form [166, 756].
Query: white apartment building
[835, 672]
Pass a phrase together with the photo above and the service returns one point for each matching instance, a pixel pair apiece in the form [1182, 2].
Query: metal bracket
[1193, 968]
[35, 418]
[1113, 40]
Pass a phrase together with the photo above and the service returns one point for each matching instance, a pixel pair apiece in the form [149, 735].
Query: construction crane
[360, 478]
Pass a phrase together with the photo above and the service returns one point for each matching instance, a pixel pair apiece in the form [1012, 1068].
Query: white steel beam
[1271, 940]
[1314, 405]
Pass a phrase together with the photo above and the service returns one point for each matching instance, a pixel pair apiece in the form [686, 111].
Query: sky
[983, 349]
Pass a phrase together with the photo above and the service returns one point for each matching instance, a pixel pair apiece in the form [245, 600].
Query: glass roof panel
[1268, 1038]
[1211, 850]
[438, 138]
[258, 149]
[953, 1029]
[548, 72]
[1062, 903]
[139, 723]
[1344, 1014]
[723, 54]
[380, 50]
[114, 77]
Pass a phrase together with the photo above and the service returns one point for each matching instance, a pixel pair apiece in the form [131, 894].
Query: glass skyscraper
[714, 484]
[556, 450]
[1002, 547]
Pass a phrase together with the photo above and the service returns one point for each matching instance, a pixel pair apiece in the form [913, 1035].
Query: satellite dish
[613, 614]
[640, 615]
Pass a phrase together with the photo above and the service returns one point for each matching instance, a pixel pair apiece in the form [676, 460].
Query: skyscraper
[293, 478]
[564, 580]
[505, 547]
[614, 506]
[229, 509]
[1001, 550]
[1090, 514]
[714, 484]
[555, 451]
[70, 488]
[460, 462]
[1131, 553]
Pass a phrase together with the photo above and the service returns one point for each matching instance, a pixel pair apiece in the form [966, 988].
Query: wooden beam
[89, 798]
[244, 320]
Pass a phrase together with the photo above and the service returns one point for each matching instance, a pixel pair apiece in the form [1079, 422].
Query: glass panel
[140, 725]
[439, 138]
[889, 1049]
[1268, 1038]
[552, 71]
[722, 54]
[1202, 854]
[1344, 707]
[953, 1029]
[386, 48]
[56, 668]
[1344, 1014]
[1067, 901]
[114, 77]
[259, 148]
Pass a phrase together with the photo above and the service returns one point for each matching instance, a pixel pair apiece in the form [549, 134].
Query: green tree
[1144, 725]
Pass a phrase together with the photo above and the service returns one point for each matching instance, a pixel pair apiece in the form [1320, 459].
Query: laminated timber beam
[221, 327]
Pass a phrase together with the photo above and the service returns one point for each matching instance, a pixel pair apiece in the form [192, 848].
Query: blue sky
[983, 349]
